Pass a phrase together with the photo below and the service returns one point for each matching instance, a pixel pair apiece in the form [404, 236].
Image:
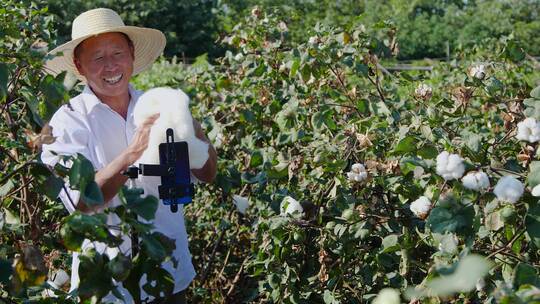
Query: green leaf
[532, 223]
[256, 159]
[406, 145]
[4, 78]
[81, 172]
[535, 93]
[329, 297]
[120, 267]
[317, 120]
[96, 280]
[54, 94]
[144, 207]
[390, 243]
[294, 68]
[5, 271]
[91, 195]
[428, 151]
[451, 218]
[533, 178]
[158, 281]
[474, 142]
[361, 69]
[525, 274]
[52, 186]
[514, 52]
[5, 188]
[153, 248]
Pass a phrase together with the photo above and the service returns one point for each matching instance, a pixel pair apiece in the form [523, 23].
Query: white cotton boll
[242, 203]
[421, 207]
[173, 107]
[387, 296]
[450, 166]
[358, 173]
[289, 206]
[536, 190]
[509, 189]
[424, 91]
[478, 71]
[528, 130]
[477, 181]
[58, 279]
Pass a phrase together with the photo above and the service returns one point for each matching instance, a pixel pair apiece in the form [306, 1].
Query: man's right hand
[140, 140]
[110, 178]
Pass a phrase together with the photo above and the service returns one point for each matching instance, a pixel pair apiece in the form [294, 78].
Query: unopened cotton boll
[242, 203]
[421, 207]
[450, 166]
[509, 189]
[358, 173]
[477, 181]
[387, 296]
[173, 107]
[290, 206]
[528, 130]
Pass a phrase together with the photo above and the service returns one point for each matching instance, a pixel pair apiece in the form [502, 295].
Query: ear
[78, 65]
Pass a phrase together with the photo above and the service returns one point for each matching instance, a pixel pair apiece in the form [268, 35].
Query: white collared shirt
[86, 125]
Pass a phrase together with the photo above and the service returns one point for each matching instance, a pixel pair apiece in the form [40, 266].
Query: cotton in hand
[173, 107]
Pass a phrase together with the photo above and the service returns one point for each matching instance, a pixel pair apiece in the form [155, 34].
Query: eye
[98, 58]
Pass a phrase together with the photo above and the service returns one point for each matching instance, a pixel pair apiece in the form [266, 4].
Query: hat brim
[148, 44]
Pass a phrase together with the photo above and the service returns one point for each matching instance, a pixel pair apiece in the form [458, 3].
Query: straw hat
[148, 43]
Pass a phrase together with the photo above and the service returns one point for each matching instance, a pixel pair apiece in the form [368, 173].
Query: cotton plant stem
[237, 277]
[213, 252]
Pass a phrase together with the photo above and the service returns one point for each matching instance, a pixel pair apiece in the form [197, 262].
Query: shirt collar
[91, 100]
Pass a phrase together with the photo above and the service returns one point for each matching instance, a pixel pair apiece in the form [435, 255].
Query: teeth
[113, 80]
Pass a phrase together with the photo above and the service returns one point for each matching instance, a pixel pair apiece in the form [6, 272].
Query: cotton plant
[421, 207]
[173, 107]
[358, 173]
[528, 130]
[290, 206]
[476, 180]
[509, 189]
[241, 203]
[450, 166]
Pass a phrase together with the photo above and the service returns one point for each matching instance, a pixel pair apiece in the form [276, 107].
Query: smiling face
[106, 61]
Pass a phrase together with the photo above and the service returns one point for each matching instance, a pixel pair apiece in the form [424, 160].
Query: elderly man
[98, 123]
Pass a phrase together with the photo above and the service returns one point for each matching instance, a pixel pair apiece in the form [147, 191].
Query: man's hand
[207, 173]
[140, 141]
[110, 178]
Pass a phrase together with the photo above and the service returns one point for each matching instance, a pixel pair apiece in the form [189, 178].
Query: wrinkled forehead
[105, 38]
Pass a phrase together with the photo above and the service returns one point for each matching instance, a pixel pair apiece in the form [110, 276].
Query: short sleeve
[72, 136]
